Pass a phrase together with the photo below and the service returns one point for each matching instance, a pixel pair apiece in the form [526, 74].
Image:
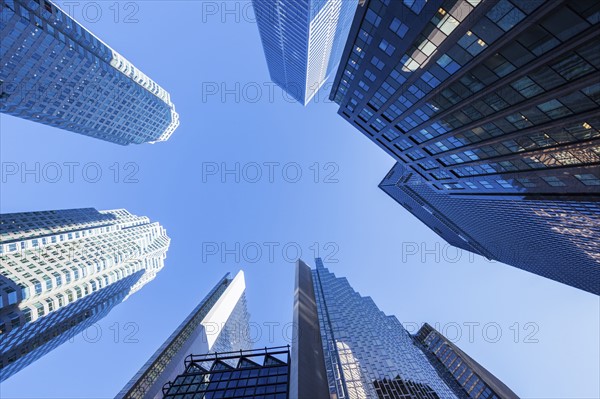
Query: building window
[588, 179]
[399, 28]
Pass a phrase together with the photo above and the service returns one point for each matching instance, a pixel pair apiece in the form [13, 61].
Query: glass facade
[303, 41]
[60, 271]
[367, 352]
[479, 98]
[249, 374]
[56, 72]
[469, 378]
[219, 323]
[559, 240]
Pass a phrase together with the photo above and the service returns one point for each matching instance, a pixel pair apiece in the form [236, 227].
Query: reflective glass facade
[486, 98]
[556, 239]
[219, 323]
[60, 271]
[250, 374]
[364, 349]
[56, 72]
[468, 377]
[303, 41]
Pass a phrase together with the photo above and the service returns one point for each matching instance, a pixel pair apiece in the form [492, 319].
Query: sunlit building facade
[54, 71]
[60, 271]
[366, 352]
[218, 324]
[480, 98]
[303, 41]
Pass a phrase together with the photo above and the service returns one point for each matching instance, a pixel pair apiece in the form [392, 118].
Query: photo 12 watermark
[269, 172]
[69, 172]
[272, 252]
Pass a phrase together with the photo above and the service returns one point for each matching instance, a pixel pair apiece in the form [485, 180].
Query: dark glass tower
[467, 377]
[559, 240]
[261, 373]
[491, 109]
[481, 98]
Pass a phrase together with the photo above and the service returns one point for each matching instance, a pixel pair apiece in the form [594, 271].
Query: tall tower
[56, 72]
[303, 41]
[486, 99]
[219, 324]
[60, 271]
[491, 109]
[366, 352]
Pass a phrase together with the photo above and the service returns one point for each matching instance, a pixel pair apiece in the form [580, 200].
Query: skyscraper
[56, 72]
[480, 98]
[303, 41]
[219, 323]
[491, 110]
[365, 351]
[559, 240]
[467, 377]
[60, 271]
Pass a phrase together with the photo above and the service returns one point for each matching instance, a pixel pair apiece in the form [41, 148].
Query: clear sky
[548, 347]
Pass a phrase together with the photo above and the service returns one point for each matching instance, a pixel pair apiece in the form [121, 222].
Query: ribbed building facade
[489, 98]
[55, 72]
[218, 324]
[303, 41]
[468, 378]
[60, 271]
[367, 352]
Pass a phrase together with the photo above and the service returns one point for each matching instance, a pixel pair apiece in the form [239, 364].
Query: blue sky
[190, 48]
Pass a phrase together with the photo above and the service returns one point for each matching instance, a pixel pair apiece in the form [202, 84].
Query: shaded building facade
[459, 370]
[61, 271]
[303, 41]
[219, 323]
[56, 72]
[244, 374]
[559, 240]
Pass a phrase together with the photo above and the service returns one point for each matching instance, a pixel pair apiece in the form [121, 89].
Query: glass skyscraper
[559, 240]
[365, 351]
[491, 110]
[303, 41]
[219, 323]
[60, 271]
[480, 98]
[56, 72]
[467, 377]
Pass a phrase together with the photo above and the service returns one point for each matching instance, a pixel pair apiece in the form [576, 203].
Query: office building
[559, 240]
[56, 72]
[303, 41]
[480, 98]
[262, 373]
[219, 323]
[365, 351]
[467, 377]
[61, 271]
[491, 110]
